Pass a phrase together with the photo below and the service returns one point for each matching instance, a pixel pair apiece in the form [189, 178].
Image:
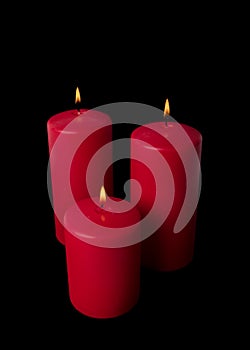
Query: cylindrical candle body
[104, 281]
[75, 138]
[166, 250]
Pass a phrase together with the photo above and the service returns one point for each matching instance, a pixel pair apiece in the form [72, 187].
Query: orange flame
[78, 97]
[103, 196]
[167, 108]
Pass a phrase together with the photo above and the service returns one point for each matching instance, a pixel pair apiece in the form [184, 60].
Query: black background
[181, 59]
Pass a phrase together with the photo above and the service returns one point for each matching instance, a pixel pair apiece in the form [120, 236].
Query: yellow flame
[78, 97]
[103, 196]
[167, 108]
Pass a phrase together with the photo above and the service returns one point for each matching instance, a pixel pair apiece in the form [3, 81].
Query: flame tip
[166, 108]
[78, 96]
[102, 195]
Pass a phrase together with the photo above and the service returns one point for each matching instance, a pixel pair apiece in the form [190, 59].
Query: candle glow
[167, 108]
[78, 96]
[78, 100]
[166, 112]
[103, 196]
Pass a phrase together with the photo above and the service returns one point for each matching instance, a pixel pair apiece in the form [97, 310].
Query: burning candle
[171, 246]
[103, 267]
[74, 136]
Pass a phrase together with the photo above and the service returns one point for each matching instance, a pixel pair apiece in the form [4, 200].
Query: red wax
[171, 246]
[73, 139]
[103, 267]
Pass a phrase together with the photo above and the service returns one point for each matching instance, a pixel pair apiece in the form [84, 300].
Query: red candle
[171, 246]
[74, 137]
[103, 264]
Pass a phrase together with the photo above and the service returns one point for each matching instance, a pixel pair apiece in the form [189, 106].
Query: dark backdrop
[184, 64]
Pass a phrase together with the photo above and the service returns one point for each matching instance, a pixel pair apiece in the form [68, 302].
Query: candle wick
[166, 119]
[78, 109]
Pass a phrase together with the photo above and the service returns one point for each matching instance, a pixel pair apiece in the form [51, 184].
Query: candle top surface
[108, 225]
[115, 212]
[159, 135]
[60, 120]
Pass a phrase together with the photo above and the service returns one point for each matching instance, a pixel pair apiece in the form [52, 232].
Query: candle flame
[167, 108]
[78, 97]
[103, 196]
